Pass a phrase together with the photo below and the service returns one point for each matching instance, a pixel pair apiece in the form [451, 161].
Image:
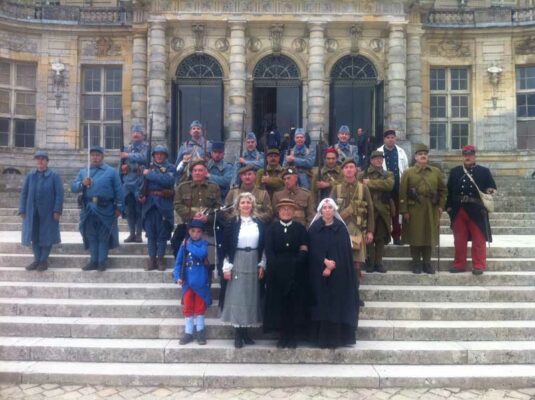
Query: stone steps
[166, 351]
[159, 308]
[168, 291]
[217, 375]
[171, 328]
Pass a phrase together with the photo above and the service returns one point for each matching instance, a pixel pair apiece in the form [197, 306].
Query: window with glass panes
[17, 103]
[449, 108]
[525, 107]
[102, 106]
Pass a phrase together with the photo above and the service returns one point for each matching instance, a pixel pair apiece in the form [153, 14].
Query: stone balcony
[65, 14]
[480, 17]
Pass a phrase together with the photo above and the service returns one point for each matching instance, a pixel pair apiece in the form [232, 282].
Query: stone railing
[481, 17]
[66, 14]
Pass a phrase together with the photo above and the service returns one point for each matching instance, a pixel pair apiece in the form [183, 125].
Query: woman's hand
[227, 275]
[260, 273]
[56, 216]
[330, 264]
[326, 272]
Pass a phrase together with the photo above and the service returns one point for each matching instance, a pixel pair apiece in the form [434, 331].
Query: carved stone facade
[402, 41]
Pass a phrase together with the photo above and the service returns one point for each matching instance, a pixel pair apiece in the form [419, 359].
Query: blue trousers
[304, 180]
[40, 253]
[158, 232]
[98, 237]
[133, 213]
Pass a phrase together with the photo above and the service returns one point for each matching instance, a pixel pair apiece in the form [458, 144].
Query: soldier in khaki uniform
[272, 179]
[356, 209]
[305, 211]
[422, 195]
[263, 208]
[195, 199]
[380, 183]
[330, 174]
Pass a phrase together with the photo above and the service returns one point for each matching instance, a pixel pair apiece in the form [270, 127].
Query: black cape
[286, 275]
[457, 186]
[335, 309]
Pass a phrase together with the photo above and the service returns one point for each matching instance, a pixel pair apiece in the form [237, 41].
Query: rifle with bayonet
[144, 186]
[319, 152]
[237, 165]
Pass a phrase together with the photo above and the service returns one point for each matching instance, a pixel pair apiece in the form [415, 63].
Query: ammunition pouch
[412, 194]
[360, 211]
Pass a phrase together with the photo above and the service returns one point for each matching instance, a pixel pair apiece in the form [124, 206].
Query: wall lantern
[59, 80]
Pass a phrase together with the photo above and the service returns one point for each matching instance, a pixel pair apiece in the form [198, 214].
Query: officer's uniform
[275, 181]
[356, 209]
[221, 172]
[380, 185]
[469, 218]
[98, 223]
[158, 219]
[422, 192]
[305, 211]
[132, 181]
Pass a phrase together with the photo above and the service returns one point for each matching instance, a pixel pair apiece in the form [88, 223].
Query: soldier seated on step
[192, 272]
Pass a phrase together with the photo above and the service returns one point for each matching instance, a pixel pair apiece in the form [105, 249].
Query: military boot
[33, 266]
[186, 338]
[138, 238]
[201, 337]
[429, 268]
[43, 266]
[152, 264]
[416, 267]
[161, 263]
[380, 268]
[130, 238]
[369, 267]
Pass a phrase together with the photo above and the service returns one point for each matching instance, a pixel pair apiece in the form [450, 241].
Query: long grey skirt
[242, 297]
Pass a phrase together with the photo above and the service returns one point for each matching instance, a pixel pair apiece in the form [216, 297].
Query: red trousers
[396, 226]
[463, 228]
[193, 304]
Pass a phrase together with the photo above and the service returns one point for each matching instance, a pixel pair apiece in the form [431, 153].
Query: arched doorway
[356, 96]
[197, 95]
[276, 95]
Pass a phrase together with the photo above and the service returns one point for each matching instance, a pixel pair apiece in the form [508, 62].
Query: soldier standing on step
[422, 194]
[41, 206]
[133, 160]
[301, 158]
[102, 203]
[270, 177]
[343, 148]
[380, 184]
[469, 218]
[157, 200]
[330, 174]
[219, 170]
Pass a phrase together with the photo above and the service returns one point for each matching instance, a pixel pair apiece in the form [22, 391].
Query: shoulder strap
[471, 178]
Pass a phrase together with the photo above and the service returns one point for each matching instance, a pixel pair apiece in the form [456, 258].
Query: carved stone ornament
[177, 44]
[198, 34]
[355, 31]
[276, 37]
[222, 45]
[254, 44]
[451, 48]
[18, 43]
[331, 45]
[101, 47]
[526, 46]
[377, 45]
[299, 45]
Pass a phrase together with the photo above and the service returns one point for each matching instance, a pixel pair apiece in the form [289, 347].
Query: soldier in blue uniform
[344, 149]
[41, 206]
[133, 160]
[219, 170]
[303, 158]
[102, 203]
[158, 217]
[251, 156]
[195, 147]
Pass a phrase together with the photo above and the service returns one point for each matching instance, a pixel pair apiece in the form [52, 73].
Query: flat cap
[197, 161]
[469, 150]
[377, 153]
[349, 161]
[246, 168]
[420, 147]
[273, 151]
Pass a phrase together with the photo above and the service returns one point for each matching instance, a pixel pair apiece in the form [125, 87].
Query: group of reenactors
[380, 197]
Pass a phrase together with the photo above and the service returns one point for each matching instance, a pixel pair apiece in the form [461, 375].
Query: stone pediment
[324, 7]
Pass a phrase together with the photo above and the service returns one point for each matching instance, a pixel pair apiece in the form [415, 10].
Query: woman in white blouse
[242, 269]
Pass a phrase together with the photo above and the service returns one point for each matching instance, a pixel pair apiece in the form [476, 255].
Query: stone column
[414, 85]
[316, 79]
[139, 78]
[396, 76]
[236, 80]
[157, 78]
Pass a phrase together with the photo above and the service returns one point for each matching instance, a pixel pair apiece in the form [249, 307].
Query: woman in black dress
[286, 254]
[334, 314]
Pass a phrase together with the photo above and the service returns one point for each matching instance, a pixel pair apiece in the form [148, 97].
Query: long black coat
[286, 274]
[335, 298]
[460, 185]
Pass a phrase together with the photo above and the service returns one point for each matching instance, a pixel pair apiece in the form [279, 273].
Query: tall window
[525, 107]
[450, 108]
[17, 104]
[102, 106]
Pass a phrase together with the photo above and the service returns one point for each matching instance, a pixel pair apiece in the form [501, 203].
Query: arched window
[276, 67]
[353, 67]
[198, 95]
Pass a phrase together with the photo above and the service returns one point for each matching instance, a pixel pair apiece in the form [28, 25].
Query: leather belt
[247, 249]
[466, 199]
[167, 194]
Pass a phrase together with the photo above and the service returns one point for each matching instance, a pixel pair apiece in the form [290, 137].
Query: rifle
[320, 161]
[205, 143]
[81, 198]
[122, 148]
[238, 164]
[144, 185]
[438, 245]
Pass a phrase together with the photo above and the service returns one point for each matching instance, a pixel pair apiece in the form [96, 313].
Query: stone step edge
[212, 375]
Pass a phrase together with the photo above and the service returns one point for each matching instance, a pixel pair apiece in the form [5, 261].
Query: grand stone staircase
[122, 326]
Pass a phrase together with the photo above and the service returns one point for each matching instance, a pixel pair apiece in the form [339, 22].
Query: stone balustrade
[481, 17]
